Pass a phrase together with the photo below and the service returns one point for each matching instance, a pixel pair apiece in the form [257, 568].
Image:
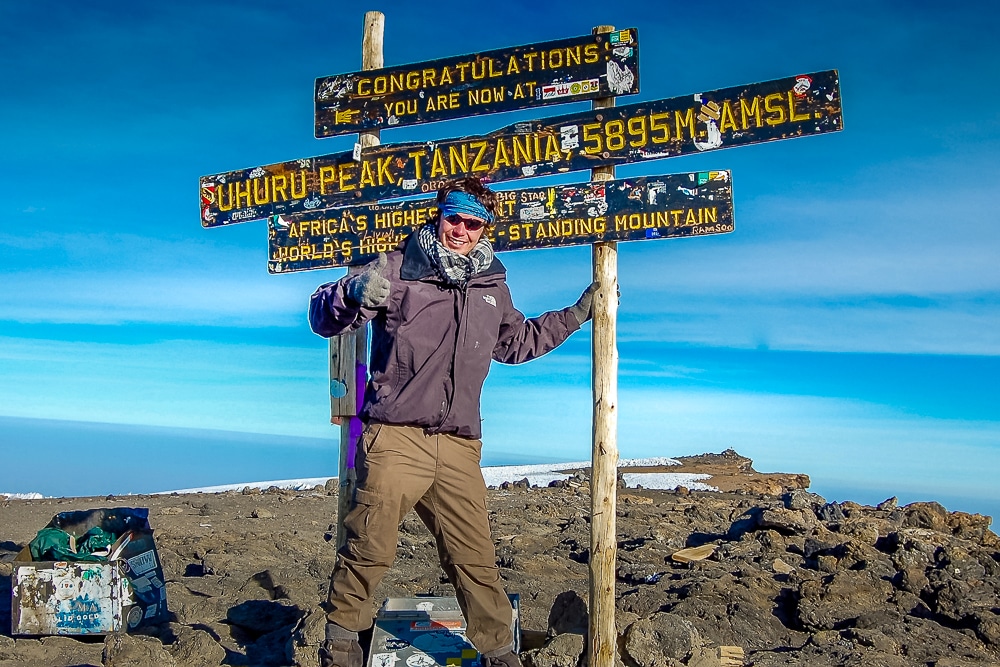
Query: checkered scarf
[453, 268]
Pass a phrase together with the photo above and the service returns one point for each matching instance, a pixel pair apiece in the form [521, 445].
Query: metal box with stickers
[426, 632]
[89, 572]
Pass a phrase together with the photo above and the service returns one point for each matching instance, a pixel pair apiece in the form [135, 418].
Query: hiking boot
[508, 659]
[341, 648]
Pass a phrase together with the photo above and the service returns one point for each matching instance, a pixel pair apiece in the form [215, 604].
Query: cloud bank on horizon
[537, 475]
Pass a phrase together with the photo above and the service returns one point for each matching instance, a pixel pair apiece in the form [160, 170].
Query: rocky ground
[783, 577]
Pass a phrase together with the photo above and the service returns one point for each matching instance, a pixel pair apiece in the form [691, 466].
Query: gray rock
[6, 647]
[661, 638]
[832, 602]
[781, 567]
[956, 662]
[913, 580]
[887, 504]
[987, 626]
[303, 646]
[863, 530]
[785, 520]
[959, 601]
[813, 548]
[271, 648]
[800, 499]
[926, 515]
[974, 527]
[560, 651]
[122, 650]
[872, 638]
[959, 563]
[623, 619]
[831, 512]
[197, 648]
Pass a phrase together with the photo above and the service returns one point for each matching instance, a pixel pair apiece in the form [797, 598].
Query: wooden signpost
[328, 211]
[349, 352]
[567, 70]
[602, 635]
[785, 108]
[642, 208]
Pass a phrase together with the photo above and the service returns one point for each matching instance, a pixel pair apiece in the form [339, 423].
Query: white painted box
[60, 598]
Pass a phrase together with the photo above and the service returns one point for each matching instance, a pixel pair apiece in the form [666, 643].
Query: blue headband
[462, 202]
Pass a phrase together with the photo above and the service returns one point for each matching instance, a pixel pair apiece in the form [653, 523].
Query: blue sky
[847, 329]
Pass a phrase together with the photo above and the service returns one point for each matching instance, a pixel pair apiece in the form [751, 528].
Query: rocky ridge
[763, 573]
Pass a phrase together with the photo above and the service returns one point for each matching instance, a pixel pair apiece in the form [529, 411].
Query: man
[440, 312]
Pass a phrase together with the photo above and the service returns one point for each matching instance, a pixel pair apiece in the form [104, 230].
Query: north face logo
[488, 298]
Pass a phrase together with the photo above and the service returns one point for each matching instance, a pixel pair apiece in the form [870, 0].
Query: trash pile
[89, 572]
[95, 546]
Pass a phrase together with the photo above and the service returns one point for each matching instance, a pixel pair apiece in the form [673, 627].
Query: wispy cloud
[102, 278]
[191, 383]
[838, 442]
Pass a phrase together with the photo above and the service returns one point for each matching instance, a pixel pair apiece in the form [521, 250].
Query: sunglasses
[471, 224]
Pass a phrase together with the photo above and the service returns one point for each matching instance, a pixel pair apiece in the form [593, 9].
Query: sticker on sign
[570, 88]
[142, 563]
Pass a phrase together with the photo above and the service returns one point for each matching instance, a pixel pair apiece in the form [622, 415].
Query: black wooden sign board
[629, 209]
[795, 106]
[567, 70]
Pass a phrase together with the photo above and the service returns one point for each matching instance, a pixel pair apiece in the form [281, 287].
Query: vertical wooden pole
[604, 465]
[354, 358]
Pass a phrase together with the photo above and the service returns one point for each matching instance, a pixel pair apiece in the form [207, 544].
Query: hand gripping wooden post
[349, 352]
[604, 464]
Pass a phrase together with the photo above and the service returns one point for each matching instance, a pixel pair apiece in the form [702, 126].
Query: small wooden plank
[785, 108]
[630, 209]
[731, 656]
[692, 554]
[520, 77]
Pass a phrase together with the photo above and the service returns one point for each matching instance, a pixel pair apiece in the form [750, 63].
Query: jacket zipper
[463, 316]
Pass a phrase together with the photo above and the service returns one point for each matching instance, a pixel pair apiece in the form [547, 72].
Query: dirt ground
[788, 579]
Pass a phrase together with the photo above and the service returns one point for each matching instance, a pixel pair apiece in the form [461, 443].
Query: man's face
[460, 232]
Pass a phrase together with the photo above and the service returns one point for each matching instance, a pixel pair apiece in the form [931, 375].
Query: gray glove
[583, 309]
[369, 288]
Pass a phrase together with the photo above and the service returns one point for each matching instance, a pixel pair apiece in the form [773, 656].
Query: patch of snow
[544, 473]
[23, 496]
[648, 463]
[289, 484]
[667, 480]
[538, 474]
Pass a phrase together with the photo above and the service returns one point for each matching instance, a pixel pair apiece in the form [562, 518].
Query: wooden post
[351, 357]
[604, 465]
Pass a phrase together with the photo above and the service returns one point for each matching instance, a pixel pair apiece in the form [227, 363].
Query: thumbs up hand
[369, 288]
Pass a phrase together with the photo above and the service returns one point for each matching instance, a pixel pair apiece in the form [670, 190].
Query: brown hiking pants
[401, 468]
